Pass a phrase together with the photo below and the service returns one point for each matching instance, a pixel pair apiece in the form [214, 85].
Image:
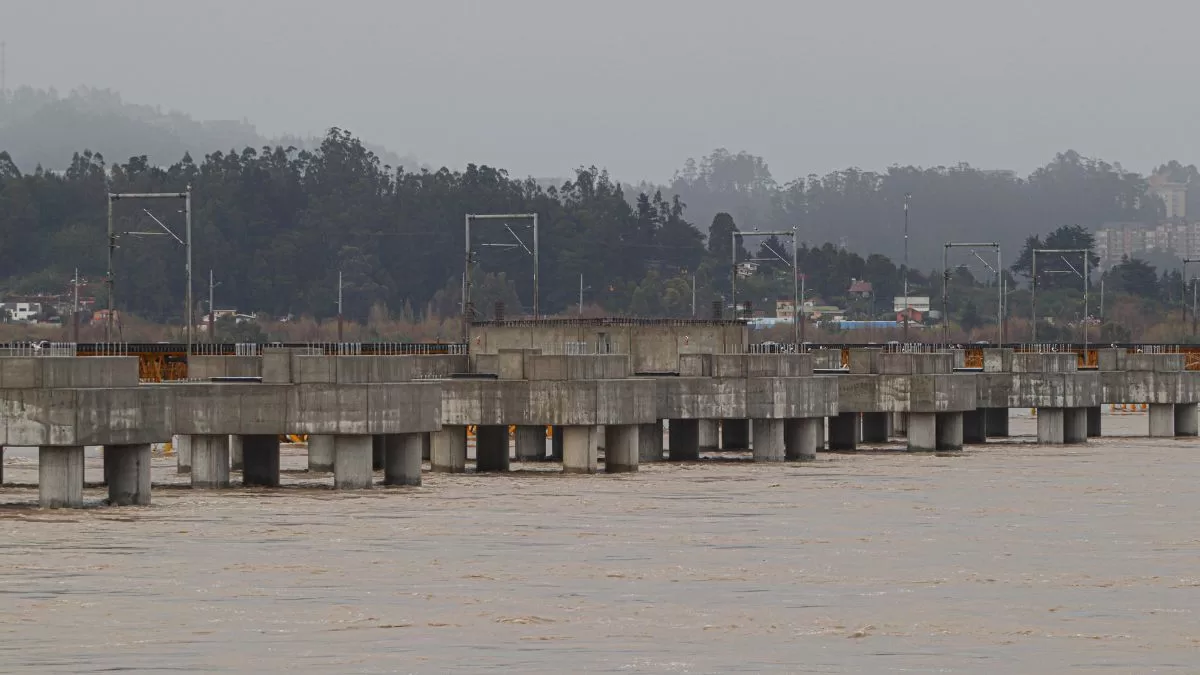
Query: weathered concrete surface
[906, 393]
[402, 464]
[875, 427]
[373, 369]
[448, 449]
[683, 440]
[652, 347]
[320, 452]
[1051, 429]
[1186, 419]
[531, 443]
[1162, 420]
[567, 403]
[1038, 390]
[622, 451]
[352, 462]
[210, 461]
[768, 440]
[650, 442]
[845, 431]
[949, 428]
[1150, 386]
[260, 460]
[1075, 425]
[128, 469]
[803, 438]
[53, 372]
[182, 445]
[119, 416]
[581, 449]
[60, 477]
[922, 432]
[745, 365]
[347, 409]
[746, 398]
[735, 434]
[201, 367]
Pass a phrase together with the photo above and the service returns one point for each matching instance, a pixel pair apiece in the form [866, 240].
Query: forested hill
[277, 225]
[40, 127]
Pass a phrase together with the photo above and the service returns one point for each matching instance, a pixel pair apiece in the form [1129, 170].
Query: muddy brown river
[1012, 558]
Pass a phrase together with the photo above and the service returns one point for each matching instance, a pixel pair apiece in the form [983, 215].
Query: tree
[1135, 277]
[970, 319]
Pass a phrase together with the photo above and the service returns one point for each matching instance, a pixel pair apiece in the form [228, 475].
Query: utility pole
[581, 294]
[693, 296]
[907, 196]
[75, 310]
[339, 306]
[212, 324]
[1186, 262]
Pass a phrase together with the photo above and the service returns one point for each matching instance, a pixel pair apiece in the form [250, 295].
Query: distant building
[860, 289]
[22, 312]
[918, 302]
[1173, 195]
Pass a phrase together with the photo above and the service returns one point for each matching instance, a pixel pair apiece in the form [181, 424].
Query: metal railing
[39, 348]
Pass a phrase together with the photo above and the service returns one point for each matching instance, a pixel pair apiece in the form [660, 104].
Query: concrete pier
[650, 442]
[320, 453]
[900, 424]
[708, 435]
[1075, 425]
[260, 459]
[975, 426]
[1186, 418]
[949, 428]
[1093, 421]
[426, 446]
[768, 440]
[844, 431]
[182, 445]
[581, 449]
[448, 450]
[1051, 426]
[236, 459]
[997, 422]
[875, 427]
[922, 432]
[60, 477]
[378, 448]
[1, 465]
[531, 443]
[622, 447]
[1162, 420]
[491, 448]
[210, 461]
[683, 440]
[802, 438]
[402, 458]
[128, 471]
[352, 462]
[556, 443]
[735, 434]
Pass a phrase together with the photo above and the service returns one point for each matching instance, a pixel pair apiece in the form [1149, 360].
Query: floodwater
[1012, 558]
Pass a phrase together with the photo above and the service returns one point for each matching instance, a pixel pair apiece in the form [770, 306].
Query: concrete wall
[748, 398]
[540, 402]
[403, 407]
[1038, 390]
[306, 369]
[206, 367]
[1149, 386]
[34, 372]
[119, 416]
[907, 393]
[745, 365]
[651, 346]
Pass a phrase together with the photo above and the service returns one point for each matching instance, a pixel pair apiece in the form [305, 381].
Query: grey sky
[542, 86]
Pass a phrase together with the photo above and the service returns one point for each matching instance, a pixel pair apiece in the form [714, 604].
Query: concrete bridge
[389, 413]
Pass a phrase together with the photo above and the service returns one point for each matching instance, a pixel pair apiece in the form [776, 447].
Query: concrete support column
[899, 424]
[210, 461]
[531, 443]
[1093, 422]
[236, 457]
[622, 447]
[1074, 425]
[803, 438]
[875, 427]
[768, 440]
[1051, 426]
[320, 453]
[997, 422]
[581, 449]
[975, 426]
[1186, 418]
[426, 446]
[260, 459]
[683, 440]
[60, 477]
[402, 459]
[106, 465]
[128, 473]
[352, 457]
[556, 443]
[448, 450]
[708, 435]
[949, 429]
[843, 431]
[650, 442]
[378, 448]
[922, 432]
[1, 465]
[182, 445]
[491, 448]
[735, 434]
[1162, 420]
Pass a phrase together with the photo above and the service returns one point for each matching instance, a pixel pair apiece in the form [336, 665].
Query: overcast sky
[542, 86]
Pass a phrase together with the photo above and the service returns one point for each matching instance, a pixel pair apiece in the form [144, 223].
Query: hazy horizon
[540, 88]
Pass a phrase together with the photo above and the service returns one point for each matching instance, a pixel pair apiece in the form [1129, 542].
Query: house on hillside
[860, 289]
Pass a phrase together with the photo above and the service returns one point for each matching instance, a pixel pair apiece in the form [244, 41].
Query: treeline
[277, 227]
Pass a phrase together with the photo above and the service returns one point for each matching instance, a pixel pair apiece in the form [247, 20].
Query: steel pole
[795, 296]
[999, 299]
[1033, 295]
[581, 294]
[733, 272]
[339, 307]
[536, 299]
[945, 295]
[212, 324]
[907, 196]
[108, 275]
[187, 207]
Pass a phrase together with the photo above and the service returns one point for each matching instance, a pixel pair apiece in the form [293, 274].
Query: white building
[917, 302]
[22, 311]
